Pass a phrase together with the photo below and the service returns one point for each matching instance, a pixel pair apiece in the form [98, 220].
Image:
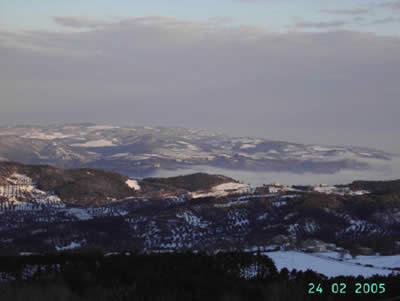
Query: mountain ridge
[136, 150]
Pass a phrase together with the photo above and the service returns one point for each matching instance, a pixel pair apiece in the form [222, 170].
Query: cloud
[387, 20]
[320, 25]
[391, 4]
[237, 79]
[354, 11]
[80, 22]
[222, 20]
[359, 19]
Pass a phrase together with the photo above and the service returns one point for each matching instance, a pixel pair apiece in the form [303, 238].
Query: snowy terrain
[44, 136]
[223, 190]
[389, 262]
[176, 223]
[141, 150]
[22, 195]
[95, 143]
[327, 266]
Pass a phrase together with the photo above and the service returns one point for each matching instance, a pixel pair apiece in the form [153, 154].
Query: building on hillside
[276, 187]
[272, 189]
[323, 188]
[317, 249]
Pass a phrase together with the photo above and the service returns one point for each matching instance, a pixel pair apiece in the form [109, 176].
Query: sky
[305, 71]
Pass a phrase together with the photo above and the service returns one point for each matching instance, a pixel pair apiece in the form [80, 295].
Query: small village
[277, 187]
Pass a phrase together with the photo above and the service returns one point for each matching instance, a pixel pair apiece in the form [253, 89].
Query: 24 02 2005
[343, 288]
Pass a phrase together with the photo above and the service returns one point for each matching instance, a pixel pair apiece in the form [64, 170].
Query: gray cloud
[80, 22]
[221, 20]
[328, 24]
[391, 4]
[387, 20]
[354, 11]
[336, 87]
[359, 19]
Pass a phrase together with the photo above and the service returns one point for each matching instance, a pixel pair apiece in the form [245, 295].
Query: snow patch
[262, 217]
[223, 190]
[323, 149]
[79, 213]
[72, 245]
[246, 146]
[43, 136]
[95, 143]
[329, 267]
[133, 184]
[120, 155]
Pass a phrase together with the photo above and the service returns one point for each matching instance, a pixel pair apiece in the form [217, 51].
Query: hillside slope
[88, 186]
[82, 186]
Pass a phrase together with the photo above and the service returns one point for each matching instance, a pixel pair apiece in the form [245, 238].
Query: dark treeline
[93, 276]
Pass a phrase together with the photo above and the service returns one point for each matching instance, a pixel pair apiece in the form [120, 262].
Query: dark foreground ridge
[91, 275]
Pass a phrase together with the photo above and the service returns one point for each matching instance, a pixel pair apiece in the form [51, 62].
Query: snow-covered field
[376, 261]
[43, 136]
[379, 261]
[95, 143]
[223, 189]
[321, 263]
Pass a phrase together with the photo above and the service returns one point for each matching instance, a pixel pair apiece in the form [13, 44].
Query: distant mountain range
[142, 150]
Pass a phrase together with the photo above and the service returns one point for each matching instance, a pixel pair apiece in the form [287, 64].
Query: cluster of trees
[193, 182]
[93, 276]
[383, 244]
[377, 187]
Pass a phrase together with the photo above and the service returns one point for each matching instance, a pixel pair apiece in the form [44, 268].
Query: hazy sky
[309, 71]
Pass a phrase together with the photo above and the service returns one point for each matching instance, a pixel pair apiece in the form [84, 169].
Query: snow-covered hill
[145, 149]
